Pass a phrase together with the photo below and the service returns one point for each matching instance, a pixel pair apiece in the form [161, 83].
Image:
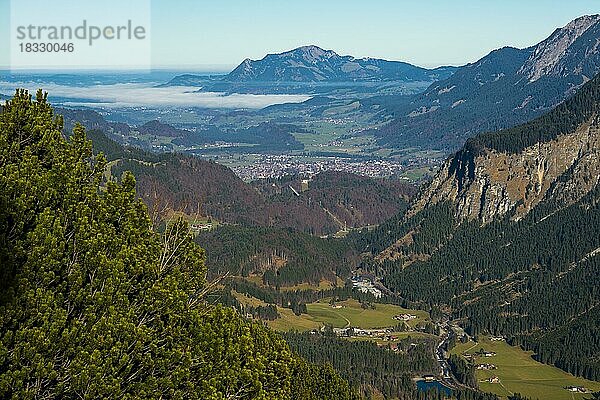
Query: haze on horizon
[216, 36]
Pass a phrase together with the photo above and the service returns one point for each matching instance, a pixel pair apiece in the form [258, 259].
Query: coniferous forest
[297, 229]
[96, 304]
[533, 279]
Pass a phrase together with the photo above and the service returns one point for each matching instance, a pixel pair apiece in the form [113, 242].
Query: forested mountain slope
[190, 184]
[94, 303]
[281, 257]
[507, 236]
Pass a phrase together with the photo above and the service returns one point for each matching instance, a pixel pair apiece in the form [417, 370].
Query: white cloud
[144, 95]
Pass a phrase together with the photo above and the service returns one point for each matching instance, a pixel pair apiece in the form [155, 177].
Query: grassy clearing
[351, 314]
[519, 373]
[289, 321]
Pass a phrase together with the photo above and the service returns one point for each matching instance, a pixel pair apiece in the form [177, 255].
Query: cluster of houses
[486, 367]
[388, 340]
[392, 346]
[493, 379]
[404, 317]
[356, 332]
[576, 389]
[481, 353]
[201, 226]
[269, 166]
[365, 285]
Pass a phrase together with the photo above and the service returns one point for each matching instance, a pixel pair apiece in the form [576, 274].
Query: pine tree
[95, 304]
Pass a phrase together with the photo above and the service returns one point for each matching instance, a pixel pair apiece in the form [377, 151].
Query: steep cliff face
[488, 184]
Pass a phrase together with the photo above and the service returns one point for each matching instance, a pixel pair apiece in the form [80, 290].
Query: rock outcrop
[488, 184]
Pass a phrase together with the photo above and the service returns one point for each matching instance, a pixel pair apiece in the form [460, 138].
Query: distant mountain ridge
[507, 87]
[562, 53]
[314, 64]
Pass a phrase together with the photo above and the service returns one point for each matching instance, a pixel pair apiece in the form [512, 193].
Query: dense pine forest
[282, 257]
[531, 278]
[96, 304]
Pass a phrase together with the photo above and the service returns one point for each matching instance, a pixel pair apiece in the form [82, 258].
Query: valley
[308, 226]
[515, 194]
[518, 372]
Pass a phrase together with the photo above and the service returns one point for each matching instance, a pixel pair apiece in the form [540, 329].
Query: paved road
[448, 377]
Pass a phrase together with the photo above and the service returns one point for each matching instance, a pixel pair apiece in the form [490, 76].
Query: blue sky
[197, 34]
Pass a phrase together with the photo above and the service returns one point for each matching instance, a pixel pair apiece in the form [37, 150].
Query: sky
[217, 35]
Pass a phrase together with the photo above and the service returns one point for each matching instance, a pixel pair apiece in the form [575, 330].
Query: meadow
[520, 373]
[350, 314]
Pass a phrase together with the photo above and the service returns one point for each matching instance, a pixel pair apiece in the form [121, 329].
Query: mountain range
[507, 237]
[313, 64]
[507, 87]
[311, 69]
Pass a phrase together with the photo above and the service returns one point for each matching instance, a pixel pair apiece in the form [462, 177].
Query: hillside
[507, 87]
[279, 257]
[507, 173]
[333, 201]
[190, 184]
[97, 304]
[506, 237]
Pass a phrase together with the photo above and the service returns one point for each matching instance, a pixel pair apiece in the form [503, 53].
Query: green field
[351, 314]
[519, 373]
[289, 321]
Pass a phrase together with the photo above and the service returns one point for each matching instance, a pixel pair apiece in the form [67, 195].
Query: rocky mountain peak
[549, 54]
[311, 53]
[313, 64]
